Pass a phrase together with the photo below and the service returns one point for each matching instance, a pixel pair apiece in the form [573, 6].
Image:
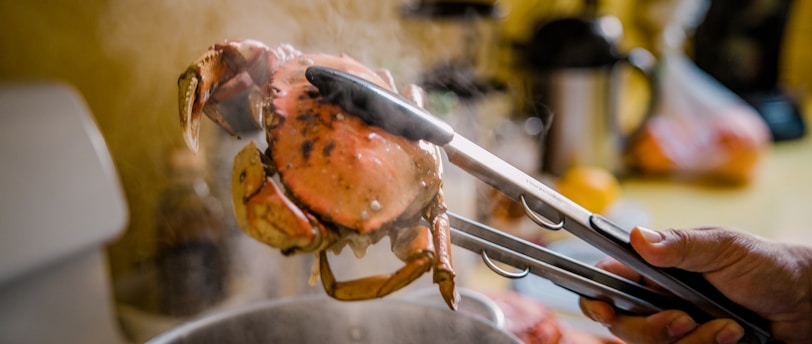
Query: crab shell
[343, 171]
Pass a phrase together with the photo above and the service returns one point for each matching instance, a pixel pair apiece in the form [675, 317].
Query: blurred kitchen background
[662, 113]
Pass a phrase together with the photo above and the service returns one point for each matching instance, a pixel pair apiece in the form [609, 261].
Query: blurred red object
[534, 323]
[528, 319]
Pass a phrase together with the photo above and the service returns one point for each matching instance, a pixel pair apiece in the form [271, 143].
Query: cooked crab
[327, 180]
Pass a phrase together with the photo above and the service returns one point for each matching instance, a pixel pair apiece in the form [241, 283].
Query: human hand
[772, 279]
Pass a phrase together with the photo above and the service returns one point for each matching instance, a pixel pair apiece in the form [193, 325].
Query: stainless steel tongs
[688, 291]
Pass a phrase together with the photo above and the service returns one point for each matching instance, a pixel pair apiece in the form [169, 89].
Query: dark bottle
[190, 236]
[740, 43]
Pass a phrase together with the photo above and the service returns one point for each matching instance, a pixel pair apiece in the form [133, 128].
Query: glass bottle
[190, 240]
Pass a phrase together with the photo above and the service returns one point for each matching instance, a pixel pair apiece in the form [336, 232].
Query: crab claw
[264, 212]
[189, 116]
[224, 71]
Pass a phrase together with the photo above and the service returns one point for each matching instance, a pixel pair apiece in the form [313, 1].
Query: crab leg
[441, 234]
[412, 245]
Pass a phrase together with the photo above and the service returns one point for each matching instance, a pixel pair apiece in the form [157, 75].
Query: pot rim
[214, 318]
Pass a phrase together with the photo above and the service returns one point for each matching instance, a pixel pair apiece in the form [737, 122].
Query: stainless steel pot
[324, 320]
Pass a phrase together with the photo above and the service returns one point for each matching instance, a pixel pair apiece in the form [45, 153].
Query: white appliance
[60, 202]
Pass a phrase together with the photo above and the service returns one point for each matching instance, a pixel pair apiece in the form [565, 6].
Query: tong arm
[566, 272]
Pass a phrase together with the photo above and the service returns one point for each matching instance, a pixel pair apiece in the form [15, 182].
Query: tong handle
[700, 290]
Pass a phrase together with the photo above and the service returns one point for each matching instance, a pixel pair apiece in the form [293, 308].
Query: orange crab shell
[345, 172]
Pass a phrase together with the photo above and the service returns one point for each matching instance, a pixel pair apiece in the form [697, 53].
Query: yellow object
[593, 188]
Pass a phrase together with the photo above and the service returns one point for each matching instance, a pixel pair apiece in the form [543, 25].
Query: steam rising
[161, 38]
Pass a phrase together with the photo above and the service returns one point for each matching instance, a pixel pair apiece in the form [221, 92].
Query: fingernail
[730, 334]
[651, 236]
[681, 326]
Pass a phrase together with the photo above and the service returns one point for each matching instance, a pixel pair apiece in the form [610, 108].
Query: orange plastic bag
[699, 129]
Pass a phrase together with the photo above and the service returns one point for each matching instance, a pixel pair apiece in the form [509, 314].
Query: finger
[719, 331]
[693, 250]
[598, 311]
[663, 327]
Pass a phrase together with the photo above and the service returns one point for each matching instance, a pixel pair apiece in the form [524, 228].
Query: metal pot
[324, 320]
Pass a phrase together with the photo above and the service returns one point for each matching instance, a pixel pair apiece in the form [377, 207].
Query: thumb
[698, 250]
